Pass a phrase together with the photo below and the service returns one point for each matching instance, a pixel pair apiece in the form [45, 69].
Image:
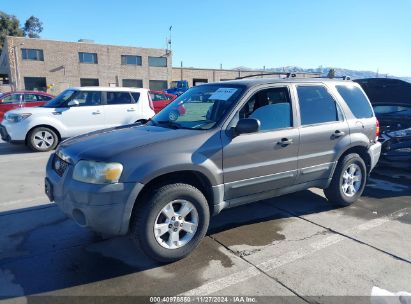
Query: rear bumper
[374, 151]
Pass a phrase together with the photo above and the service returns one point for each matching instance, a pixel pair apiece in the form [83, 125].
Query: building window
[131, 59]
[89, 82]
[35, 83]
[158, 85]
[88, 57]
[133, 83]
[157, 61]
[32, 54]
[198, 81]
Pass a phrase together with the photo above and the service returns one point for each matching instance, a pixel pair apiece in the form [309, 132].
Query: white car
[76, 111]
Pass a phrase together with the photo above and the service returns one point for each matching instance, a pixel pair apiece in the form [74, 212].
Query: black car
[391, 100]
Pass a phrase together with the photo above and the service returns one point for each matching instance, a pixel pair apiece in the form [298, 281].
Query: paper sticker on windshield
[223, 93]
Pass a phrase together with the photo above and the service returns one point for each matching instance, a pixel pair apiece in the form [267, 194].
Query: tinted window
[88, 57]
[157, 61]
[114, 98]
[390, 109]
[356, 101]
[32, 54]
[132, 83]
[30, 97]
[13, 98]
[87, 98]
[131, 59]
[272, 107]
[43, 97]
[136, 96]
[316, 105]
[157, 97]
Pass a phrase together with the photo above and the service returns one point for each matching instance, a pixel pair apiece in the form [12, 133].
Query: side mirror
[73, 103]
[247, 125]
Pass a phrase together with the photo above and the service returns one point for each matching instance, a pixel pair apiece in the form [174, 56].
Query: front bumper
[13, 132]
[102, 208]
[4, 134]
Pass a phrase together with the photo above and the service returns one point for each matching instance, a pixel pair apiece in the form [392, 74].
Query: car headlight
[16, 117]
[400, 133]
[93, 172]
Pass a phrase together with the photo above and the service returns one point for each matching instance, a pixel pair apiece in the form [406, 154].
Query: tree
[9, 26]
[33, 27]
[331, 73]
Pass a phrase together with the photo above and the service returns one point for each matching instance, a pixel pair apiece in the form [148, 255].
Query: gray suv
[217, 146]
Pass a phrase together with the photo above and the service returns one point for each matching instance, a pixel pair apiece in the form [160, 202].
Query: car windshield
[200, 107]
[390, 109]
[60, 100]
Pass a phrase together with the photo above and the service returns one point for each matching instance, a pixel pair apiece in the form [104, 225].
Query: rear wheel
[42, 139]
[172, 222]
[348, 181]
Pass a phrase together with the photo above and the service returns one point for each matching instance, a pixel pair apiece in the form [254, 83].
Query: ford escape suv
[237, 142]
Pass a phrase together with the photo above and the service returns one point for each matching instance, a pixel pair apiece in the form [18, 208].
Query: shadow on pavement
[6, 149]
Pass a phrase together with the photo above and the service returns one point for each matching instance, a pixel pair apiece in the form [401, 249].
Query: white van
[76, 111]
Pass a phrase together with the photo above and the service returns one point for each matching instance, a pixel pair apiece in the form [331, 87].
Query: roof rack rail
[286, 74]
[339, 77]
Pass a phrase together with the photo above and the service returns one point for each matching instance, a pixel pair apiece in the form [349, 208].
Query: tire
[155, 210]
[42, 139]
[347, 185]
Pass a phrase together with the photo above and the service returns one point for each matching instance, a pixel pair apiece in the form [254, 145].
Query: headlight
[97, 172]
[400, 133]
[16, 117]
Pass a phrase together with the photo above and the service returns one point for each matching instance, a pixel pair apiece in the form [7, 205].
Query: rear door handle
[96, 113]
[285, 142]
[338, 133]
[131, 110]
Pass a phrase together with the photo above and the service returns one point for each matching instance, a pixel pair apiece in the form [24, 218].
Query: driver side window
[272, 107]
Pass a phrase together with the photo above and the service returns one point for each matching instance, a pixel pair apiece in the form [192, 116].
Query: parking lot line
[289, 257]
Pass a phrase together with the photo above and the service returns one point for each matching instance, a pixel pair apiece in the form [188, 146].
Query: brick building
[48, 65]
[55, 65]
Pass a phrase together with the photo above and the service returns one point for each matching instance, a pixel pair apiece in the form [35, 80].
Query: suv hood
[105, 144]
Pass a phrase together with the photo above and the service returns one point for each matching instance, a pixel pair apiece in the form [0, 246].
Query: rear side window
[136, 96]
[114, 98]
[316, 105]
[356, 101]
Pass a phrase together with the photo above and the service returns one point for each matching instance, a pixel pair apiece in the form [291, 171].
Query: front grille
[59, 165]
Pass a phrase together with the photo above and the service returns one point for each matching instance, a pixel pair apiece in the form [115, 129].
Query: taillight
[377, 130]
[150, 102]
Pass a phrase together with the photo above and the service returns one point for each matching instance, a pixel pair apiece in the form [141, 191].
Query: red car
[20, 99]
[161, 99]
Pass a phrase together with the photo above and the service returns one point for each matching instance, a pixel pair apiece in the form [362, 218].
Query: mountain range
[354, 74]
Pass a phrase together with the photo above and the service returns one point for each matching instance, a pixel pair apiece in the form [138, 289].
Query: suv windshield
[60, 100]
[200, 107]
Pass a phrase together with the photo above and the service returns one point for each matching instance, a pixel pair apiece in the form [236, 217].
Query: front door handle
[338, 133]
[131, 110]
[285, 142]
[96, 112]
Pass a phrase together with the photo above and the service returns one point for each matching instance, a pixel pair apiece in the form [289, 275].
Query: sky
[353, 34]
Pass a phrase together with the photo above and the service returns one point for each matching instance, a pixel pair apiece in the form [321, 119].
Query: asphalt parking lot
[297, 247]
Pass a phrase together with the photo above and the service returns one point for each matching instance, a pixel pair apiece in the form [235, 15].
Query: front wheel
[172, 222]
[348, 181]
[42, 139]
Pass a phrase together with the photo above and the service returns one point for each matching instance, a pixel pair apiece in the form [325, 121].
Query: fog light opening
[79, 217]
